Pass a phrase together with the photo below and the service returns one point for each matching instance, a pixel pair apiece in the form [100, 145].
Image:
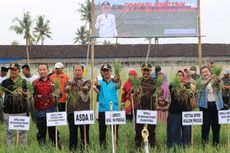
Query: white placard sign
[83, 117]
[115, 117]
[19, 123]
[56, 119]
[224, 117]
[146, 117]
[192, 118]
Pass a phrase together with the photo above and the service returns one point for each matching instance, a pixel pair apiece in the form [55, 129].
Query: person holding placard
[107, 93]
[181, 97]
[210, 102]
[126, 103]
[15, 104]
[146, 101]
[78, 100]
[45, 100]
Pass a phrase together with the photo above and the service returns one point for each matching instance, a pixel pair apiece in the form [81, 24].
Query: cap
[157, 68]
[146, 66]
[193, 68]
[105, 3]
[106, 66]
[14, 66]
[133, 72]
[4, 69]
[226, 72]
[58, 65]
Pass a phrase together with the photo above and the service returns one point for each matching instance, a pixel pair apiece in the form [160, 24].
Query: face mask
[192, 72]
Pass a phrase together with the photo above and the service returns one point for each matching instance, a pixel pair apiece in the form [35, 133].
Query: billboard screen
[145, 18]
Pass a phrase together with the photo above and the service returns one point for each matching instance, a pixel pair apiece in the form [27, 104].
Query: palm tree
[85, 11]
[23, 27]
[82, 36]
[15, 43]
[42, 29]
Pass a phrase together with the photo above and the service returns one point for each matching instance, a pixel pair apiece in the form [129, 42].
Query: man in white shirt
[27, 74]
[106, 22]
[3, 74]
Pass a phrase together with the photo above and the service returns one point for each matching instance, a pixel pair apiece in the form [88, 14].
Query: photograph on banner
[146, 117]
[115, 117]
[145, 18]
[192, 118]
[83, 117]
[19, 123]
[56, 119]
[224, 117]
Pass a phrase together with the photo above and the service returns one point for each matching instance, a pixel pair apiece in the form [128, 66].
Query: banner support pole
[199, 35]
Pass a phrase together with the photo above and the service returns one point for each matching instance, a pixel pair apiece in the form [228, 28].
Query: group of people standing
[152, 91]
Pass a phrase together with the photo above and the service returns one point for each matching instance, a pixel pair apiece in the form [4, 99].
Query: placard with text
[56, 119]
[83, 117]
[146, 117]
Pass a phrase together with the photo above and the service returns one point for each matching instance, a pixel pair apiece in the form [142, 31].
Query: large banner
[145, 18]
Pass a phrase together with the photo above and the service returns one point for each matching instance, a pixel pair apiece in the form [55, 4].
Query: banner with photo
[145, 18]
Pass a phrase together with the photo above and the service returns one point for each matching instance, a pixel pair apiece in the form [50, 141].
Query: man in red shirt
[62, 80]
[44, 103]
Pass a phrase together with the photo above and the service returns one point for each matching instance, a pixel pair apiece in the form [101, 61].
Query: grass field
[125, 140]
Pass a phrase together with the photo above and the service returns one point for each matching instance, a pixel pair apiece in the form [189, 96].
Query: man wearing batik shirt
[45, 98]
[146, 101]
[14, 101]
[78, 100]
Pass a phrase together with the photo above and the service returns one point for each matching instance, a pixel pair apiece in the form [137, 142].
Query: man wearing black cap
[154, 74]
[3, 74]
[107, 94]
[106, 22]
[146, 102]
[14, 101]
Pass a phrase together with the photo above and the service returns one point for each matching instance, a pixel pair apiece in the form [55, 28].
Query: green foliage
[117, 66]
[159, 82]
[29, 86]
[217, 70]
[136, 82]
[82, 36]
[56, 84]
[176, 83]
[23, 27]
[42, 29]
[199, 85]
[126, 141]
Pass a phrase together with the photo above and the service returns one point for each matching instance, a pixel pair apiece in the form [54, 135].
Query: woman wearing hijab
[177, 134]
[126, 102]
[163, 97]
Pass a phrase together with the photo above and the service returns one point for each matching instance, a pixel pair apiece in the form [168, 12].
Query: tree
[82, 36]
[15, 43]
[105, 42]
[42, 29]
[85, 11]
[23, 27]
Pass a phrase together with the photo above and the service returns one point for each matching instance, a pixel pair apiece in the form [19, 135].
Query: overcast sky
[64, 21]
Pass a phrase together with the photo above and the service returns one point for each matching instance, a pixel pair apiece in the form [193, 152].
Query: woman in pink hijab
[163, 98]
